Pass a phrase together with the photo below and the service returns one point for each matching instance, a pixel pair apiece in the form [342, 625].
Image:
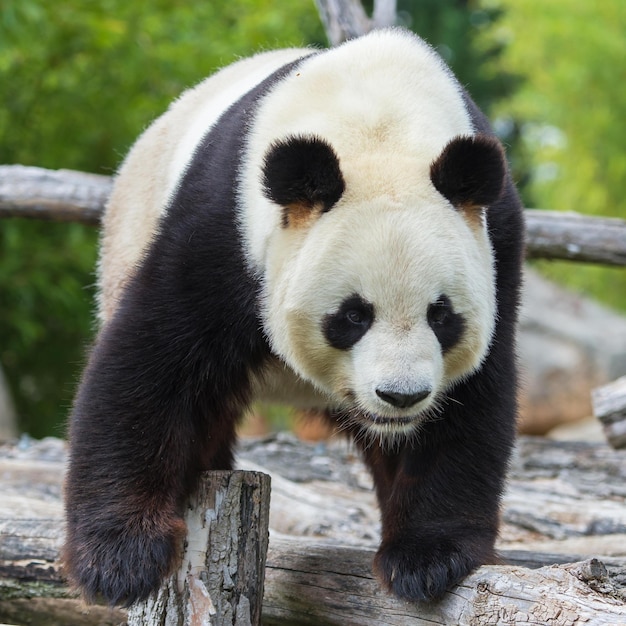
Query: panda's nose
[402, 400]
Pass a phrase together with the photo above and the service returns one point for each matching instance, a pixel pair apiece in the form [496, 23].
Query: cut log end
[223, 566]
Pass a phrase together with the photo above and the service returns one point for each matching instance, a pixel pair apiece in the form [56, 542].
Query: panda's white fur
[391, 238]
[374, 254]
[349, 96]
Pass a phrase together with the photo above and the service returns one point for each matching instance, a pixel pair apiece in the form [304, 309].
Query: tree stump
[221, 578]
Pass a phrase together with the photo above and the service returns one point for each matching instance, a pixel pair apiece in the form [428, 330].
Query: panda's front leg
[142, 428]
[158, 403]
[439, 518]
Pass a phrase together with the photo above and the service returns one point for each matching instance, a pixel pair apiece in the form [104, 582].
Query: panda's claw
[122, 567]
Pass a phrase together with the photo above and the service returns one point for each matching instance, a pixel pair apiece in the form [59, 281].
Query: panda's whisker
[344, 428]
[451, 399]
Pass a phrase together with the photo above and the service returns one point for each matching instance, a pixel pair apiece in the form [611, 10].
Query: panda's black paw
[421, 571]
[122, 566]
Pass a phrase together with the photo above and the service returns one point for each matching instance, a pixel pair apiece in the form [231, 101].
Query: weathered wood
[562, 491]
[220, 582]
[36, 603]
[8, 419]
[574, 237]
[343, 19]
[565, 503]
[609, 406]
[53, 195]
[334, 585]
[346, 19]
[384, 13]
[66, 195]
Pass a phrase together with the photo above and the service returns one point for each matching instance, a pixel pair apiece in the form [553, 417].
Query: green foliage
[462, 32]
[78, 82]
[572, 104]
[453, 28]
[45, 286]
[81, 79]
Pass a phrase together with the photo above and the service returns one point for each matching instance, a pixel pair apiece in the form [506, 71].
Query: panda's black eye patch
[447, 325]
[349, 323]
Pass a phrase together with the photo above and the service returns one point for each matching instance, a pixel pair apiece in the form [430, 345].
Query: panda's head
[379, 285]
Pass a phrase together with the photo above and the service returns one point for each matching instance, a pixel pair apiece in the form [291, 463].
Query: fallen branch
[320, 584]
[53, 195]
[574, 237]
[65, 195]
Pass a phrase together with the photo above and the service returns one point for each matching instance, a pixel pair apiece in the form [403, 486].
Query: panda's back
[153, 168]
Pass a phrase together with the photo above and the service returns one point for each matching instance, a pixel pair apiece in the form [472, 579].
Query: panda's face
[382, 303]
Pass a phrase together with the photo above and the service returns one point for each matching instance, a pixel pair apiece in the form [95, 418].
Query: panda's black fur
[302, 170]
[174, 368]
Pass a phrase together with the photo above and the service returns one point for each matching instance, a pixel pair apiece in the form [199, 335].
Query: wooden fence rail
[70, 196]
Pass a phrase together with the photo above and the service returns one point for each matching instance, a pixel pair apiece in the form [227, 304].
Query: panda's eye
[439, 313]
[349, 323]
[354, 317]
[447, 325]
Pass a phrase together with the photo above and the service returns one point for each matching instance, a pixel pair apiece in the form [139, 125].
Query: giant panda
[334, 229]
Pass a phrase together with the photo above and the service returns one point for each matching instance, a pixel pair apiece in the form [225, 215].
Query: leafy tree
[453, 28]
[573, 104]
[79, 81]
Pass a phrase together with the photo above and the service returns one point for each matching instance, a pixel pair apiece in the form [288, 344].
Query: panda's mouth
[390, 421]
[387, 432]
[384, 425]
[365, 417]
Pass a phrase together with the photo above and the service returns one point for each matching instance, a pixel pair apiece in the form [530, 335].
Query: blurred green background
[80, 80]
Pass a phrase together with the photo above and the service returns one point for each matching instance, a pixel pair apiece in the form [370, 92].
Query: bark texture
[220, 582]
[563, 543]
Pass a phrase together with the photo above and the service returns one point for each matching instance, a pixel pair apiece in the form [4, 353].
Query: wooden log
[53, 195]
[609, 406]
[563, 497]
[342, 19]
[220, 582]
[574, 237]
[346, 19]
[8, 418]
[313, 583]
[334, 586]
[384, 13]
[66, 195]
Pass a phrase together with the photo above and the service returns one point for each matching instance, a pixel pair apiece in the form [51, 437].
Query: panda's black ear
[470, 171]
[302, 174]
